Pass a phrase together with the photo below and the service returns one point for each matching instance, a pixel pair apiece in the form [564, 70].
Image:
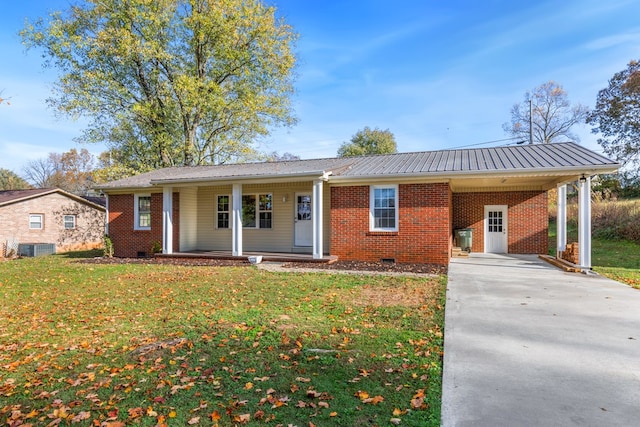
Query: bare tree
[553, 115]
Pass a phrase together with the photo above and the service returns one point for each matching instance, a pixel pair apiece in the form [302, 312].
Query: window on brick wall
[384, 208]
[142, 212]
[36, 221]
[69, 222]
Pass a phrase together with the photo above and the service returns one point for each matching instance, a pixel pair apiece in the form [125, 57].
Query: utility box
[464, 238]
[36, 249]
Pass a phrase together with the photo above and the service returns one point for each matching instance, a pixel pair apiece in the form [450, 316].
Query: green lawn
[617, 259]
[149, 345]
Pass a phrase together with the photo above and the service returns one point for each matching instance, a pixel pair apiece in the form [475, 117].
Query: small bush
[108, 247]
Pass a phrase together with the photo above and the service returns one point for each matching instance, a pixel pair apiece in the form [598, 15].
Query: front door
[303, 229]
[495, 229]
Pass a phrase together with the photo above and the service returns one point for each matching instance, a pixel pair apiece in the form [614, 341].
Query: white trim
[372, 189]
[258, 211]
[73, 220]
[228, 212]
[136, 213]
[41, 222]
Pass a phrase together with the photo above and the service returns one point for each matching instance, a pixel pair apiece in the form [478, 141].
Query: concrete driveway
[529, 345]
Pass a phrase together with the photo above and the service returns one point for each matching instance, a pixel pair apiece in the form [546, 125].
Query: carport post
[584, 223]
[561, 220]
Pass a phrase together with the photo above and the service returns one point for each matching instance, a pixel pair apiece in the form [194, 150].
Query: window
[265, 210]
[384, 208]
[36, 221]
[223, 211]
[69, 222]
[142, 212]
[257, 210]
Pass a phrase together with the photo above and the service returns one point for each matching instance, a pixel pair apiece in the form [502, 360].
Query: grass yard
[155, 345]
[616, 259]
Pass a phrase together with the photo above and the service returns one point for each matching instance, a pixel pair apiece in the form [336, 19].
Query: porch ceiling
[509, 183]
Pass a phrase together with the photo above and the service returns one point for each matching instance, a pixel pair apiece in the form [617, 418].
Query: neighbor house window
[36, 221]
[257, 210]
[384, 208]
[223, 211]
[142, 212]
[69, 222]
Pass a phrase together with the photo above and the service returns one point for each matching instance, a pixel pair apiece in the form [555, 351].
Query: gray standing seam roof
[520, 158]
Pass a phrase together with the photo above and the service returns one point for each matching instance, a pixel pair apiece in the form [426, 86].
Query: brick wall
[128, 242]
[87, 234]
[527, 225]
[424, 228]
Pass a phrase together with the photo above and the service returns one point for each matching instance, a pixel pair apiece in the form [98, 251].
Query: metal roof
[530, 158]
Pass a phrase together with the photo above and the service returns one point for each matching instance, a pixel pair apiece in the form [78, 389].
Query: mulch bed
[338, 265]
[372, 266]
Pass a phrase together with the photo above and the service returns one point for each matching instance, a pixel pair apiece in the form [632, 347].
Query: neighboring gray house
[50, 216]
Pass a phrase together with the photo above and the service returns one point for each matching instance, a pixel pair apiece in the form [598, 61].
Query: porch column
[317, 218]
[561, 220]
[167, 220]
[236, 220]
[584, 223]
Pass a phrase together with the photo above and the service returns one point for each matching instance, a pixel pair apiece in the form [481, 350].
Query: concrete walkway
[529, 345]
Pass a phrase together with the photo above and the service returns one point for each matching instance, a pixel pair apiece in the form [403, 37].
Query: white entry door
[303, 229]
[495, 229]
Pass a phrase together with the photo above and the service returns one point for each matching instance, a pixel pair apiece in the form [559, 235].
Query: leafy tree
[71, 171]
[617, 115]
[553, 115]
[9, 180]
[369, 141]
[170, 82]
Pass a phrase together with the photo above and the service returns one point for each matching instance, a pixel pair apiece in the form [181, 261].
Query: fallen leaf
[194, 420]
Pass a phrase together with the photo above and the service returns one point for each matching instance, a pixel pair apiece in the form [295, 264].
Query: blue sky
[436, 74]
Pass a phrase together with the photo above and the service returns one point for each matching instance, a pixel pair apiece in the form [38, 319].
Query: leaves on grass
[127, 345]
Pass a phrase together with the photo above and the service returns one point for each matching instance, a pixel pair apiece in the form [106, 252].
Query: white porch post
[236, 220]
[167, 220]
[584, 223]
[317, 218]
[561, 220]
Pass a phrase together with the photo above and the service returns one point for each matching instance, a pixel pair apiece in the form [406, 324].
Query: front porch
[266, 256]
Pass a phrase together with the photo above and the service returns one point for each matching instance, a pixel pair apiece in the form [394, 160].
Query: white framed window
[384, 208]
[223, 211]
[257, 210]
[69, 222]
[142, 212]
[36, 221]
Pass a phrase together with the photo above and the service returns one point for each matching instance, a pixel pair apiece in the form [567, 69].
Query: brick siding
[424, 227]
[527, 225]
[130, 243]
[87, 234]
